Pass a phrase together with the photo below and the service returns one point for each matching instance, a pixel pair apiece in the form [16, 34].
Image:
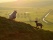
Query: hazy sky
[1, 1]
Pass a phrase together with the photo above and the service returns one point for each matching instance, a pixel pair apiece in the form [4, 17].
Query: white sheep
[13, 15]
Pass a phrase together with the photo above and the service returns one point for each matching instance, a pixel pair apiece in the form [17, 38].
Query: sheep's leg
[41, 27]
[37, 27]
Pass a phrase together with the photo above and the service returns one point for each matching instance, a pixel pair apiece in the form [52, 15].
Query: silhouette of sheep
[38, 24]
[13, 15]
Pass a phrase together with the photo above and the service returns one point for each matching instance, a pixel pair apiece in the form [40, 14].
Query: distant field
[28, 18]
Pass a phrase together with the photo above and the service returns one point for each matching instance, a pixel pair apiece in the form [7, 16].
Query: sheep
[38, 24]
[13, 15]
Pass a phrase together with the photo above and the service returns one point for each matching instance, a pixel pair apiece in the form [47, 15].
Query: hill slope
[12, 30]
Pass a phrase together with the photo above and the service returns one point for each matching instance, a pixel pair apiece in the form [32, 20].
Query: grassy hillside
[13, 30]
[23, 27]
[31, 16]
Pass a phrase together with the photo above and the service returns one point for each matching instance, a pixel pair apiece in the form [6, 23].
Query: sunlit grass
[31, 16]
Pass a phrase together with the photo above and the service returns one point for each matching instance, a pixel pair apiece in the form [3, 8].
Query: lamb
[38, 24]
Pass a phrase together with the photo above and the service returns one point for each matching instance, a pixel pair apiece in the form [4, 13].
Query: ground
[13, 30]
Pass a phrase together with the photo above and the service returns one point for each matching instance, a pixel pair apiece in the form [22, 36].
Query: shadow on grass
[13, 30]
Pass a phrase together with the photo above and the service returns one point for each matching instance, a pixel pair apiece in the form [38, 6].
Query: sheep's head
[15, 11]
[36, 21]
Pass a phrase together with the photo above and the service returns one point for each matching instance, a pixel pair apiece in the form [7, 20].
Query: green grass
[33, 14]
[13, 30]
[24, 27]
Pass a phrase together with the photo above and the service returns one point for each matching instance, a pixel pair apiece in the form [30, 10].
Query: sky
[1, 1]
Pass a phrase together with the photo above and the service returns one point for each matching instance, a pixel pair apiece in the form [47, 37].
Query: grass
[23, 27]
[13, 30]
[33, 14]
